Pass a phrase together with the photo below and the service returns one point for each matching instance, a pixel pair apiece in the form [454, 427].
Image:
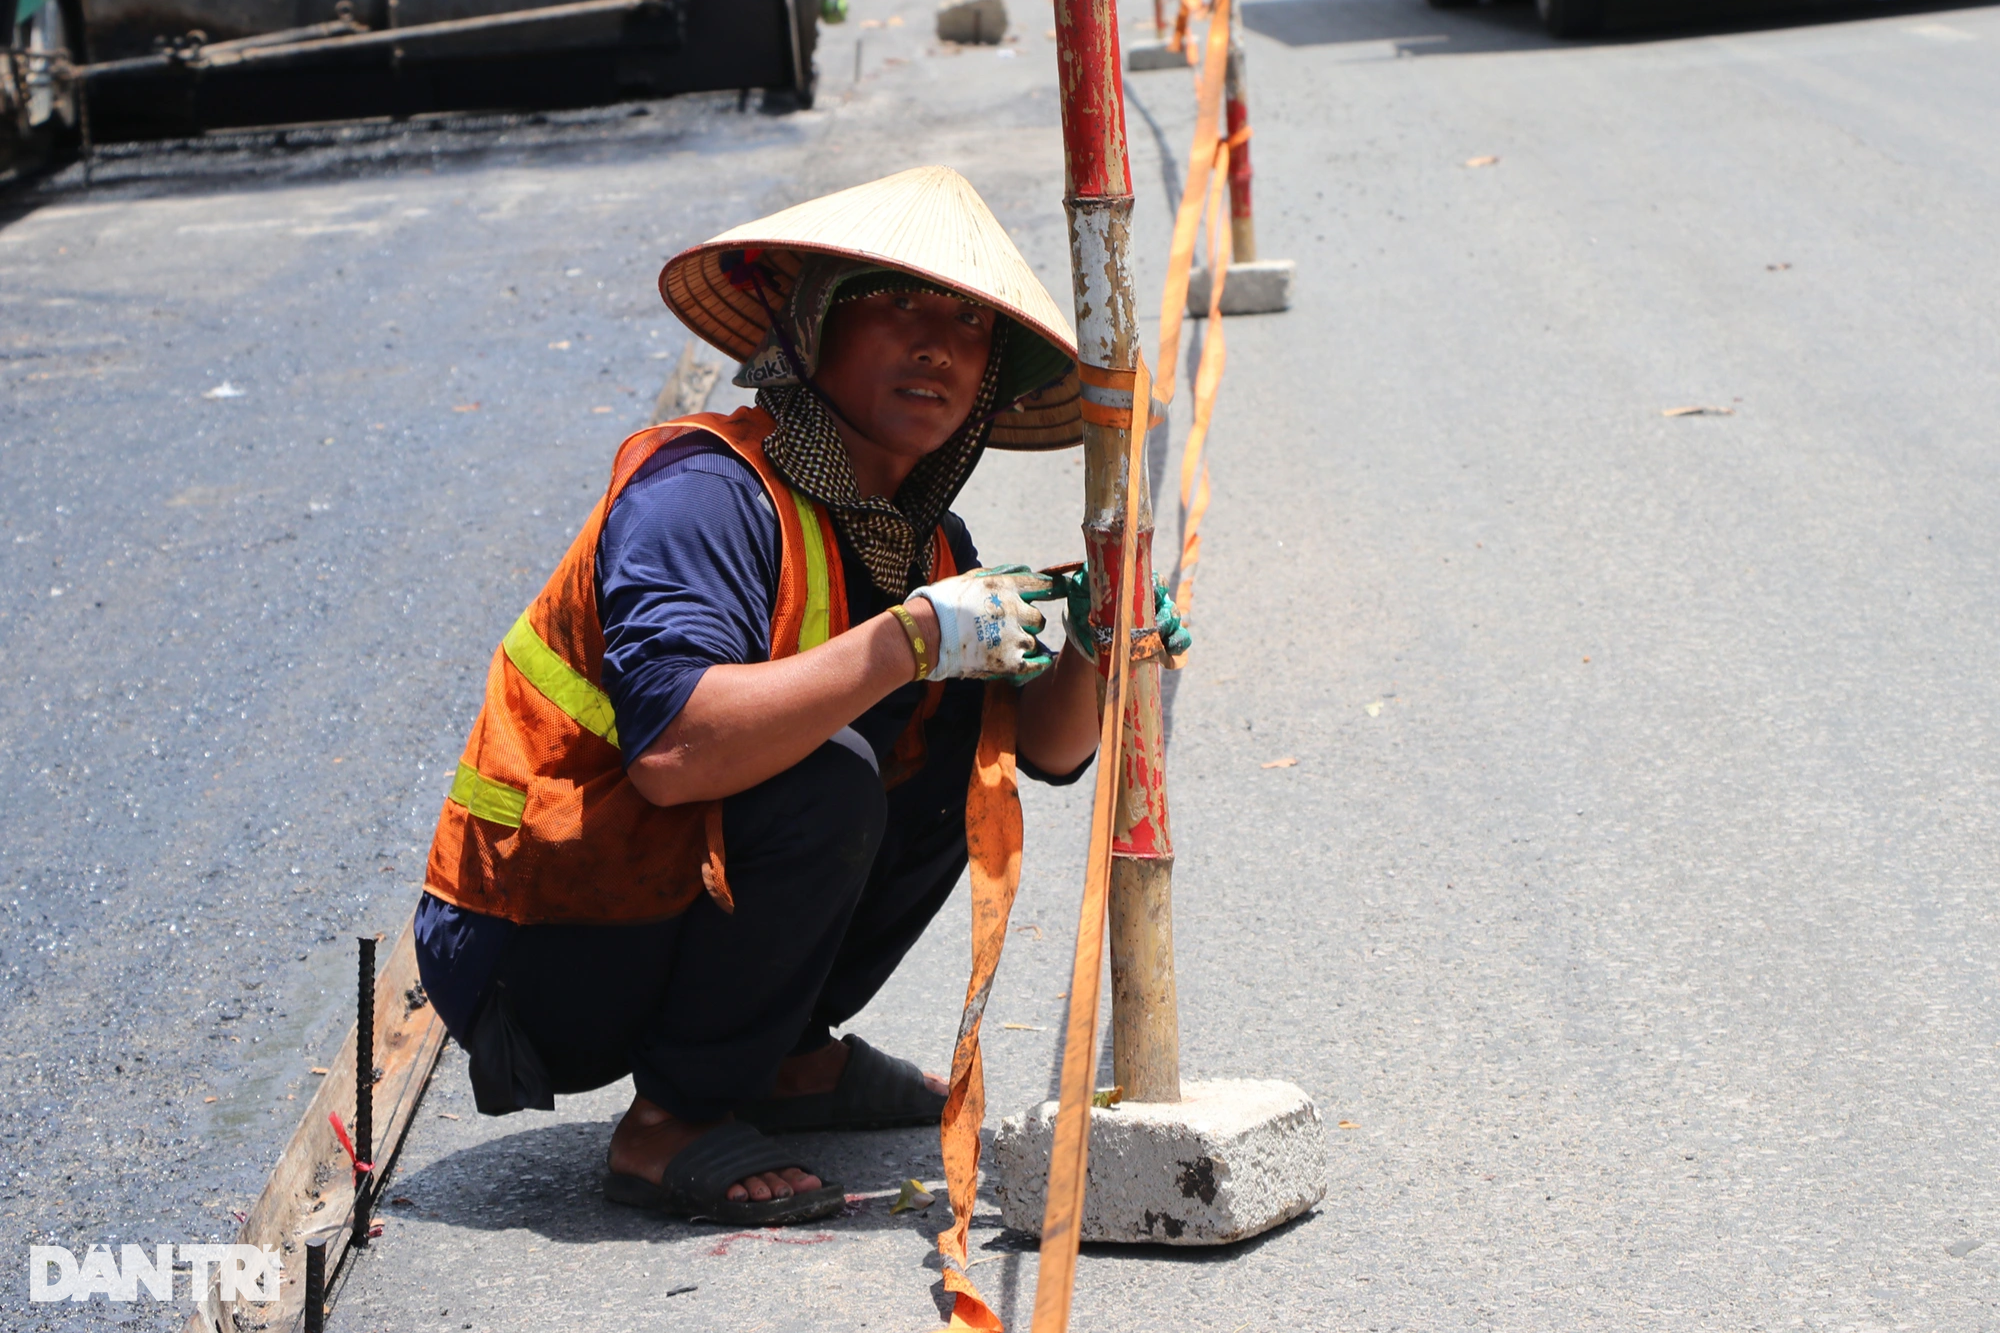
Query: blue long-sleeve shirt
[687, 575]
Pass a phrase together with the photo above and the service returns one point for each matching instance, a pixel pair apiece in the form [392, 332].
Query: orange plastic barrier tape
[1187, 222]
[1208, 167]
[993, 841]
[1188, 11]
[1117, 418]
[1070, 1155]
[1115, 385]
[1207, 378]
[1106, 377]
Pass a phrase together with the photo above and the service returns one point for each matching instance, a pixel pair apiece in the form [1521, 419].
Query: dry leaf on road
[1699, 411]
[913, 1195]
[1287, 762]
[1487, 161]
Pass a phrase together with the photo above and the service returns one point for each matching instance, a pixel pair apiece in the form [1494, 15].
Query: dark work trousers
[834, 879]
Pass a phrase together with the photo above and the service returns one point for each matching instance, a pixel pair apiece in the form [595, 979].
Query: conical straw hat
[928, 221]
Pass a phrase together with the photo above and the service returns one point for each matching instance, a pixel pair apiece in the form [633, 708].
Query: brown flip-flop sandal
[696, 1182]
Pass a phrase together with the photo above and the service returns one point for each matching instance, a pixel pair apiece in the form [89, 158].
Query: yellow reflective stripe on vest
[493, 801]
[817, 626]
[560, 683]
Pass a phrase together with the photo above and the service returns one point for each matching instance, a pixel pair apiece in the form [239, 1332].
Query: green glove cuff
[1074, 588]
[1076, 612]
[1174, 636]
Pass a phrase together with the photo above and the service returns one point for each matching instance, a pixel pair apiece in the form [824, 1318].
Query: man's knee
[823, 817]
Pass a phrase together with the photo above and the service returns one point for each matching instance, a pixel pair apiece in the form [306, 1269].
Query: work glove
[1074, 588]
[1175, 637]
[987, 623]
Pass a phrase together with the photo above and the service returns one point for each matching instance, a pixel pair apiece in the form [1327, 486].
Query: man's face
[904, 367]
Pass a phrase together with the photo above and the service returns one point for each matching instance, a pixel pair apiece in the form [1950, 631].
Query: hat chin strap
[791, 352]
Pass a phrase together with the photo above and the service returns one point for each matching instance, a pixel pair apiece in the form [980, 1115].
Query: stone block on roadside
[1262, 287]
[1142, 56]
[972, 21]
[1231, 1159]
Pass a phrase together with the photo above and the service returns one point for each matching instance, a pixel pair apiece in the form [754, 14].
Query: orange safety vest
[542, 825]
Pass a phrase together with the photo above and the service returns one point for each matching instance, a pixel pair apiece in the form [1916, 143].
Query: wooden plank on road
[312, 1187]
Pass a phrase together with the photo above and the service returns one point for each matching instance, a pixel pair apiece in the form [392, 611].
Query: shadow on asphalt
[548, 1180]
[1019, 1242]
[1005, 1289]
[1417, 29]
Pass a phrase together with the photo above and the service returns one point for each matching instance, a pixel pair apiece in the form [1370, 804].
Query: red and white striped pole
[1098, 199]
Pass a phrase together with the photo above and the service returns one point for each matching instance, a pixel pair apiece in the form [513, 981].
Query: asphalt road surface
[1629, 907]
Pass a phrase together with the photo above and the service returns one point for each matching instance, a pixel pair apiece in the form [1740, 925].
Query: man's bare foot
[649, 1136]
[819, 1071]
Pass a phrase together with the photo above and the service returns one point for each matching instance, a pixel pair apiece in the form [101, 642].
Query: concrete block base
[1233, 1158]
[1259, 288]
[1141, 56]
[972, 21]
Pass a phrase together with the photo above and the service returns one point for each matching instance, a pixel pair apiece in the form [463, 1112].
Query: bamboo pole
[1236, 101]
[1098, 200]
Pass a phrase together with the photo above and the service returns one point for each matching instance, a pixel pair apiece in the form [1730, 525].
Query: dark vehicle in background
[1589, 18]
[40, 111]
[1562, 18]
[104, 70]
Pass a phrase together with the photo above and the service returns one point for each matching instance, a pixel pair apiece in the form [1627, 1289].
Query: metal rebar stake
[364, 1086]
[316, 1285]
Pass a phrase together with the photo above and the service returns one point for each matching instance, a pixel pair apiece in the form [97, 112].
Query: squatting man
[718, 786]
